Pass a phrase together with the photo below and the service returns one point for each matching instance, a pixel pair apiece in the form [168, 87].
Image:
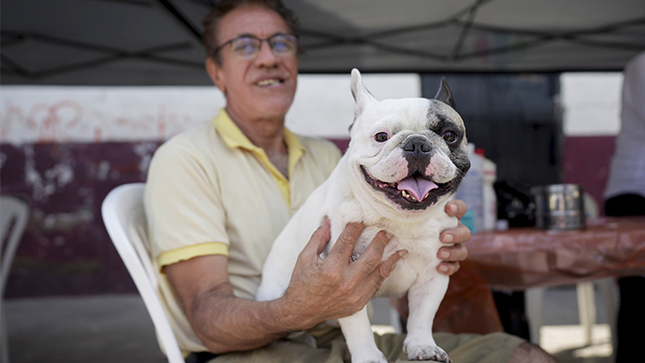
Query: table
[522, 258]
[531, 259]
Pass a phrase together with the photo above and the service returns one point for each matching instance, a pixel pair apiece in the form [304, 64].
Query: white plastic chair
[13, 221]
[125, 220]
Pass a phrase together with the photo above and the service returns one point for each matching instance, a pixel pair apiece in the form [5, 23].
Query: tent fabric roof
[157, 42]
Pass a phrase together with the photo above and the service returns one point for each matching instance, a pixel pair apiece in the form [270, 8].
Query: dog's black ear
[444, 94]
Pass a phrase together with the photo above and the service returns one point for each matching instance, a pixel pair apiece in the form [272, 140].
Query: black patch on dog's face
[460, 158]
[441, 124]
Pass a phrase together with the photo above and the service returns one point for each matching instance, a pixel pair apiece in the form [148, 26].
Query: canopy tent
[158, 42]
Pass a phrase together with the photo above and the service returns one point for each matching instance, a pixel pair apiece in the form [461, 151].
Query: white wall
[591, 103]
[101, 114]
[323, 107]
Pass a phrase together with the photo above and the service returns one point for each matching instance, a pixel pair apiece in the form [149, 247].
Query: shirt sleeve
[183, 206]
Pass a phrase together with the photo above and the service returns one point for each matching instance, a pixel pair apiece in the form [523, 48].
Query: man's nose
[265, 56]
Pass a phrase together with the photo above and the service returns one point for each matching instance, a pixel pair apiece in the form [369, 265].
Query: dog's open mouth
[412, 192]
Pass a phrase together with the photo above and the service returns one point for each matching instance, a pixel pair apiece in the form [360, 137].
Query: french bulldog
[404, 162]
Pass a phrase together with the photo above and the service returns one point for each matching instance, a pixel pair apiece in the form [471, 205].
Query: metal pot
[559, 207]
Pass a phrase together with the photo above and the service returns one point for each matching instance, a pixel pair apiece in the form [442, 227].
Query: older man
[218, 195]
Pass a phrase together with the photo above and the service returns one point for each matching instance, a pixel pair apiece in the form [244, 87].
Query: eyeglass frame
[230, 41]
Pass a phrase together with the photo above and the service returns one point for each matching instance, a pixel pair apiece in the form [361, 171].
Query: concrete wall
[591, 105]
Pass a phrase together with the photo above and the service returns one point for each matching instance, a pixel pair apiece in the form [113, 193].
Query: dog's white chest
[418, 265]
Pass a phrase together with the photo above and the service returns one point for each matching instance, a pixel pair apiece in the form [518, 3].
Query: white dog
[405, 160]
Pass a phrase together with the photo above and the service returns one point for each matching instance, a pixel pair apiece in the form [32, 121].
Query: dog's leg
[360, 339]
[424, 299]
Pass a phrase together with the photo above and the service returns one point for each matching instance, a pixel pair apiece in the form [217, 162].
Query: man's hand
[335, 287]
[319, 290]
[451, 255]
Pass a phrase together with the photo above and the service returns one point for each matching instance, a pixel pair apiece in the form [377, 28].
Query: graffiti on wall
[102, 114]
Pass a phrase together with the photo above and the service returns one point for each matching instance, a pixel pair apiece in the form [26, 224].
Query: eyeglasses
[248, 46]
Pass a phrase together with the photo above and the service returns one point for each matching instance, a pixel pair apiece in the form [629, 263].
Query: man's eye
[381, 137]
[245, 46]
[281, 47]
[450, 137]
[283, 43]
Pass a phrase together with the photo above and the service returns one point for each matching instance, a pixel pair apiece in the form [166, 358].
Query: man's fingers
[344, 246]
[457, 253]
[372, 257]
[377, 246]
[319, 239]
[456, 208]
[386, 267]
[448, 268]
[459, 234]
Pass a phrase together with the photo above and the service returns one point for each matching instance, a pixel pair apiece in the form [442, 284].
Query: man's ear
[214, 72]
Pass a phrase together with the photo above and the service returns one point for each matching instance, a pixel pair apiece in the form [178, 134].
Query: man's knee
[529, 353]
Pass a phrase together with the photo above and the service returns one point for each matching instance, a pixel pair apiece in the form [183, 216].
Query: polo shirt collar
[235, 138]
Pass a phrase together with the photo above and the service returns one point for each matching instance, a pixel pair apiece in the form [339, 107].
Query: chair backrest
[13, 220]
[125, 221]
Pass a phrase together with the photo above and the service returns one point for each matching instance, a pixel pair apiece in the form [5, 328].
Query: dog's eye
[450, 137]
[381, 137]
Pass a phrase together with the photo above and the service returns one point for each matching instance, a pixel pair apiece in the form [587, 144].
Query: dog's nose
[417, 145]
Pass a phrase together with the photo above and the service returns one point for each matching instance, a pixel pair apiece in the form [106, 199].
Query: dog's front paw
[424, 350]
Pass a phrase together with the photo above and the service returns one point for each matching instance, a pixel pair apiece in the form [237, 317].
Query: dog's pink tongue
[416, 185]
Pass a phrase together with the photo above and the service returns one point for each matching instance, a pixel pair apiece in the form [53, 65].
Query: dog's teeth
[405, 194]
[425, 196]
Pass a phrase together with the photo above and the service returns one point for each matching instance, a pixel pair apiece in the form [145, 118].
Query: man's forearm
[227, 323]
[222, 321]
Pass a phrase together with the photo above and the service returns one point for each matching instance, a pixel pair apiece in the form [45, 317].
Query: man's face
[262, 86]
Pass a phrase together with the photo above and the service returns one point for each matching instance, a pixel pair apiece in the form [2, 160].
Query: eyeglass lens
[281, 44]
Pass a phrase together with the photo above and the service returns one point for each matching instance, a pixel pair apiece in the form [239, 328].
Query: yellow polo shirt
[211, 191]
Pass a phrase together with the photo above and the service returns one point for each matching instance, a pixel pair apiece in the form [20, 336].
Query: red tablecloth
[522, 258]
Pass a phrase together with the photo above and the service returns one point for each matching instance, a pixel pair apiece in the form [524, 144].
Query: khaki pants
[462, 348]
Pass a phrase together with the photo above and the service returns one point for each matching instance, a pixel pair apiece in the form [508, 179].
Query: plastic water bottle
[471, 190]
[489, 197]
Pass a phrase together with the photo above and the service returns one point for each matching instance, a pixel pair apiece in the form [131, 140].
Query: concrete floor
[96, 329]
[117, 328]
